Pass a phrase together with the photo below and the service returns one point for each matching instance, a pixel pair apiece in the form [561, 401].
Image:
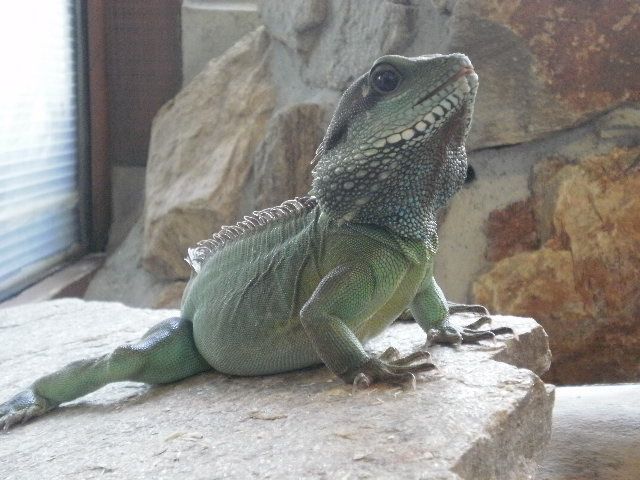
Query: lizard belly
[254, 336]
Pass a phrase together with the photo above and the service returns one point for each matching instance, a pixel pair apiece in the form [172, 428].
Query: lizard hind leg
[166, 353]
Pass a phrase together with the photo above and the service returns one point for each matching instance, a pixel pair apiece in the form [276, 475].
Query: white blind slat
[39, 222]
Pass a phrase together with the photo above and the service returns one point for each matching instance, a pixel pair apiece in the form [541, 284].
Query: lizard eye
[384, 78]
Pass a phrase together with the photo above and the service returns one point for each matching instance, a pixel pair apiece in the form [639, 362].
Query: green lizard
[308, 281]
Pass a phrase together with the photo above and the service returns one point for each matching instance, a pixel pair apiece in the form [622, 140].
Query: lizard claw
[21, 408]
[463, 308]
[449, 334]
[360, 382]
[483, 320]
[386, 369]
[390, 353]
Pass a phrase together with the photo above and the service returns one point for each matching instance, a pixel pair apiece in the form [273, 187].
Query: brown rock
[282, 164]
[170, 296]
[200, 153]
[582, 284]
[546, 179]
[545, 65]
[511, 230]
[593, 70]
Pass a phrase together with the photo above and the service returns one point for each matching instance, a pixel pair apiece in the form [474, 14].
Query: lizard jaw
[463, 72]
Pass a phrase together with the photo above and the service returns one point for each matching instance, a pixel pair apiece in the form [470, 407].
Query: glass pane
[39, 224]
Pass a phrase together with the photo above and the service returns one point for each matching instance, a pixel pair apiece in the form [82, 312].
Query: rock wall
[582, 283]
[557, 90]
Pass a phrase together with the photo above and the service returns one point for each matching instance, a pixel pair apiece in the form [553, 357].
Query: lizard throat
[404, 196]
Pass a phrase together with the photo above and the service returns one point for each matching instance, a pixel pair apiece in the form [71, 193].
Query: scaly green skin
[309, 285]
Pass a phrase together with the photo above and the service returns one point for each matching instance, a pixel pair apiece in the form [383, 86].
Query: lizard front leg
[345, 297]
[432, 312]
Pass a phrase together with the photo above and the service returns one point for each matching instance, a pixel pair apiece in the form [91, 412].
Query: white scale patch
[408, 134]
[395, 138]
[447, 102]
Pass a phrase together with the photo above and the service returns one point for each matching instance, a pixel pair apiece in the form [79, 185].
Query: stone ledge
[70, 280]
[595, 435]
[474, 418]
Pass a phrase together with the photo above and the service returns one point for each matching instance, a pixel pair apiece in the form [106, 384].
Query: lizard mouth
[463, 72]
[455, 104]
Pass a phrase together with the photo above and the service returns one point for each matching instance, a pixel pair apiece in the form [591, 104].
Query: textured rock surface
[511, 230]
[582, 284]
[200, 154]
[338, 39]
[505, 176]
[211, 27]
[122, 278]
[595, 435]
[282, 162]
[573, 62]
[474, 418]
[546, 65]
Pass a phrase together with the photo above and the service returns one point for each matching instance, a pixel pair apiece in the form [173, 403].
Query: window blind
[39, 221]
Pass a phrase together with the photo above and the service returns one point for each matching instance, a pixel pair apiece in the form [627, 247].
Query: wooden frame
[99, 181]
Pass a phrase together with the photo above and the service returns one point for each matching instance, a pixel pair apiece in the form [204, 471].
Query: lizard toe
[22, 407]
[398, 371]
[483, 320]
[462, 308]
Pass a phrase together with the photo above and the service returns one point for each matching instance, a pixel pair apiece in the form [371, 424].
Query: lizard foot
[22, 407]
[449, 334]
[388, 367]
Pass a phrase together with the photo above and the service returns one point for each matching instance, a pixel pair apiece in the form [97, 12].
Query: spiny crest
[257, 221]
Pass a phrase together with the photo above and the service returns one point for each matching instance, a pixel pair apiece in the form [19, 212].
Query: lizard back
[258, 221]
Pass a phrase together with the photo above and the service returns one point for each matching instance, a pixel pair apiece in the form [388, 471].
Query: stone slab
[473, 418]
[595, 435]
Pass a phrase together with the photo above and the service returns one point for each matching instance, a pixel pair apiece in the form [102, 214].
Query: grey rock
[282, 163]
[122, 278]
[209, 28]
[473, 418]
[595, 434]
[298, 27]
[127, 198]
[200, 154]
[346, 43]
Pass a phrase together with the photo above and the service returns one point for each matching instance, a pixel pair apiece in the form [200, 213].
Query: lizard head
[394, 150]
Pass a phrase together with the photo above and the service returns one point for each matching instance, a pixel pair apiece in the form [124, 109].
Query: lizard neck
[400, 191]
